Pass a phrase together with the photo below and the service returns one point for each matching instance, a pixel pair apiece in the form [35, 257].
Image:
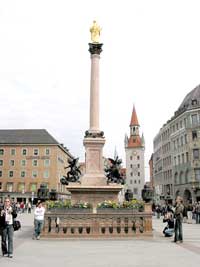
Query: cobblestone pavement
[151, 252]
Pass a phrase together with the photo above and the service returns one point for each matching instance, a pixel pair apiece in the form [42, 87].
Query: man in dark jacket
[178, 214]
[7, 215]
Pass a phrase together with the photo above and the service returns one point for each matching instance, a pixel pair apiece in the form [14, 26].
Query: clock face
[134, 153]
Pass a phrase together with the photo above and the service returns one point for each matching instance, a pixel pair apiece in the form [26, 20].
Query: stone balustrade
[116, 224]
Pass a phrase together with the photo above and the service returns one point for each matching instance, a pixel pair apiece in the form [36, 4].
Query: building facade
[176, 155]
[29, 158]
[134, 149]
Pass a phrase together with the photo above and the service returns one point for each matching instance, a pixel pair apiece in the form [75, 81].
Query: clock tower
[134, 149]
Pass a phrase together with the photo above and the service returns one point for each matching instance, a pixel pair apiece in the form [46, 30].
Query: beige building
[176, 159]
[29, 158]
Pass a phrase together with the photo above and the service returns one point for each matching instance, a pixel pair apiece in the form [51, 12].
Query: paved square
[155, 251]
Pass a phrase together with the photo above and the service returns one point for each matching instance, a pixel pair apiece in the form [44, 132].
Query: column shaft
[94, 94]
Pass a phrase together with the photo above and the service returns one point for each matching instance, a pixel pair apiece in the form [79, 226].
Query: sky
[150, 58]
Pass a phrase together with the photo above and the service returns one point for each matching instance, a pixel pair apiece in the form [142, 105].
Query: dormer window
[194, 102]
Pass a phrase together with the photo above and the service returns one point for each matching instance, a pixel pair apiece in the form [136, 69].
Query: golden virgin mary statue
[95, 32]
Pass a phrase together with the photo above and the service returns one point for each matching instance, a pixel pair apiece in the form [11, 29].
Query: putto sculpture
[73, 175]
[113, 171]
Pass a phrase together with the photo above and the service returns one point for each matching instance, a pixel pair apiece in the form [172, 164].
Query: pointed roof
[134, 119]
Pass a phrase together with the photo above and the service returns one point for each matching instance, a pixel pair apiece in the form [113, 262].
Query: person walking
[38, 220]
[197, 211]
[7, 215]
[189, 212]
[178, 214]
[29, 207]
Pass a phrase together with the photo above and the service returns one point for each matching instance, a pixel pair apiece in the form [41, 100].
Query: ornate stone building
[134, 149]
[176, 156]
[29, 158]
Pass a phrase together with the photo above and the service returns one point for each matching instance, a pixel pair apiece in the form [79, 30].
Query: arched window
[176, 178]
[186, 176]
[181, 178]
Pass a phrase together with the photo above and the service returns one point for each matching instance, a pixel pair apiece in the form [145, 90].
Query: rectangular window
[187, 157]
[131, 166]
[47, 151]
[23, 162]
[1, 151]
[21, 187]
[1, 173]
[0, 186]
[177, 140]
[131, 157]
[35, 162]
[135, 191]
[23, 174]
[179, 160]
[10, 173]
[174, 145]
[131, 181]
[135, 181]
[35, 151]
[1, 162]
[34, 174]
[46, 174]
[9, 187]
[13, 151]
[33, 187]
[47, 162]
[138, 166]
[194, 119]
[194, 135]
[139, 181]
[131, 174]
[196, 153]
[181, 140]
[185, 138]
[183, 158]
[24, 151]
[175, 161]
[138, 157]
[197, 174]
[138, 174]
[12, 162]
[185, 122]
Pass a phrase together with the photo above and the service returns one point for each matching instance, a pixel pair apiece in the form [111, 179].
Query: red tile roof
[134, 119]
[134, 141]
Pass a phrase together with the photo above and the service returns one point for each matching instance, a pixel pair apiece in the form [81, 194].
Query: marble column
[95, 50]
[94, 138]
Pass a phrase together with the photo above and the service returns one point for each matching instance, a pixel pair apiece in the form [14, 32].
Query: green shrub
[67, 204]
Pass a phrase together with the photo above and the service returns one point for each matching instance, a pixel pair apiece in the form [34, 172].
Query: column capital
[95, 48]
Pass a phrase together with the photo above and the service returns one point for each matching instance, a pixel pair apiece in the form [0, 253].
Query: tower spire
[134, 119]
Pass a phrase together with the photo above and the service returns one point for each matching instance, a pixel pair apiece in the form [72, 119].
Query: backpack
[16, 225]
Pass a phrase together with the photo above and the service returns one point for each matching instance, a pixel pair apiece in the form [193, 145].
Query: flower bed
[134, 205]
[66, 206]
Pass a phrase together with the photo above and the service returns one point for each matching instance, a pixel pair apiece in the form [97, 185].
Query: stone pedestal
[94, 169]
[94, 194]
